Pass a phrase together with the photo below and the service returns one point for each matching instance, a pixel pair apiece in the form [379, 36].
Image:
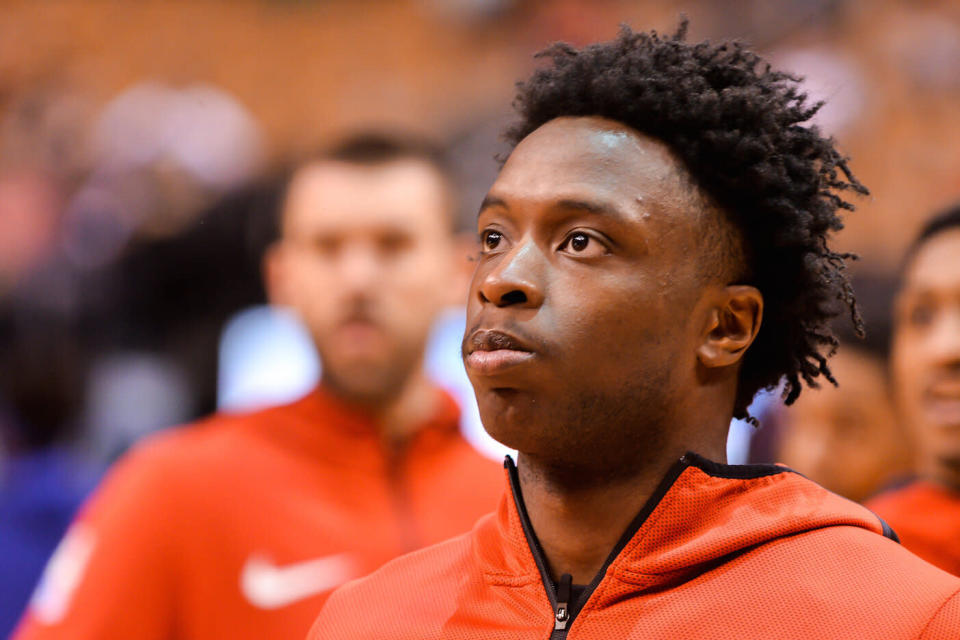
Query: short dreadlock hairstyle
[743, 132]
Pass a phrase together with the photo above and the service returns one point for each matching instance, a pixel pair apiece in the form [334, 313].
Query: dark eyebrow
[490, 201]
[600, 208]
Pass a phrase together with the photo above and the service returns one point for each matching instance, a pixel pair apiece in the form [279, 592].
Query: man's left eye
[582, 244]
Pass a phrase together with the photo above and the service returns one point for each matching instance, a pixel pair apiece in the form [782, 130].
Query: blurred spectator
[926, 377]
[29, 213]
[162, 308]
[42, 367]
[847, 438]
[241, 525]
[42, 480]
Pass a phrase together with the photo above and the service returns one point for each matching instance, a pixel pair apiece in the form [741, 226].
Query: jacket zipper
[561, 608]
[559, 595]
[561, 613]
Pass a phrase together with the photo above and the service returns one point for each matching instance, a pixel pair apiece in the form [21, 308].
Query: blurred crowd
[143, 155]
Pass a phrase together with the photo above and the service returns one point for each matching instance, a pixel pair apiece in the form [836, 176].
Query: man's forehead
[936, 264]
[600, 160]
[336, 178]
[594, 145]
[405, 191]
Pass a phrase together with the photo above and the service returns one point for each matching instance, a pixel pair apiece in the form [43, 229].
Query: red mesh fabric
[947, 621]
[769, 557]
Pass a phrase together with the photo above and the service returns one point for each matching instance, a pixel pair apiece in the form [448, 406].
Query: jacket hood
[702, 515]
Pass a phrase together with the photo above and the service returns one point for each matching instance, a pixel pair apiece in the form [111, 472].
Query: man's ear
[464, 254]
[732, 324]
[273, 270]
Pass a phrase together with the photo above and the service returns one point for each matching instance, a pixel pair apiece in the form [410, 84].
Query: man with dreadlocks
[653, 252]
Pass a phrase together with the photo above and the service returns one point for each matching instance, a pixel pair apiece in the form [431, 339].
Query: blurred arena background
[139, 149]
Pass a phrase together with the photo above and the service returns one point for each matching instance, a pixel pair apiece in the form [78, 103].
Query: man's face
[578, 340]
[365, 259]
[926, 354]
[846, 438]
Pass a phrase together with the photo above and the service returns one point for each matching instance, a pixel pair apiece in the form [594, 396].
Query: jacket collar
[324, 427]
[352, 420]
[701, 513]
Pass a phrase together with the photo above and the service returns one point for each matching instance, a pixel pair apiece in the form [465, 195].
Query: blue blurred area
[40, 491]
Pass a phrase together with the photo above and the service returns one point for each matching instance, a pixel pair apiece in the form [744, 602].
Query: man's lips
[493, 340]
[489, 351]
[358, 324]
[359, 333]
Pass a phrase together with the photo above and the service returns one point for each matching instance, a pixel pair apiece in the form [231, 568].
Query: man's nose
[515, 280]
[359, 266]
[943, 342]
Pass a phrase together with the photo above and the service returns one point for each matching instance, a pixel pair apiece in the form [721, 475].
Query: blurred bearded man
[241, 525]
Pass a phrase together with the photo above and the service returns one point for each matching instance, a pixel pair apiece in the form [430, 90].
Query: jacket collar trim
[689, 459]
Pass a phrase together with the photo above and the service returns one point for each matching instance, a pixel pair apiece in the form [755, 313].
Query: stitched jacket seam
[946, 601]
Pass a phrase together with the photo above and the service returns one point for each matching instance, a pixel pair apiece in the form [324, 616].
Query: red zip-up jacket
[242, 525]
[719, 551]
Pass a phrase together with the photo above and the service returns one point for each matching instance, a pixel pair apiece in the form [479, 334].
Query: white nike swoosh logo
[63, 574]
[269, 586]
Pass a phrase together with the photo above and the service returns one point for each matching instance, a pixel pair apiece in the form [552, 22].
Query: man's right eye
[920, 315]
[490, 239]
[326, 245]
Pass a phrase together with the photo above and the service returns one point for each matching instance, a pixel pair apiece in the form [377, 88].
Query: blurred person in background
[156, 232]
[43, 360]
[847, 438]
[29, 214]
[926, 381]
[43, 480]
[240, 526]
[162, 307]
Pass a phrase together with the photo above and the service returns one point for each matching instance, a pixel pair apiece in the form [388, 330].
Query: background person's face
[589, 248]
[846, 438]
[926, 354]
[366, 260]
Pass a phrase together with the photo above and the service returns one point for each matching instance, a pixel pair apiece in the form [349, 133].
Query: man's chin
[512, 418]
[365, 385]
[512, 438]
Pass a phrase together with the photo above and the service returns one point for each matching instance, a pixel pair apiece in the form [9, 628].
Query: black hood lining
[689, 459]
[734, 471]
[539, 557]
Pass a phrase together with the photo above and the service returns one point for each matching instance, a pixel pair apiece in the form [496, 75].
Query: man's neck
[398, 417]
[578, 526]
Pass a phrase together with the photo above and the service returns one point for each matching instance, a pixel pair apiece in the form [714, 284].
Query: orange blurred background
[139, 145]
[306, 70]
